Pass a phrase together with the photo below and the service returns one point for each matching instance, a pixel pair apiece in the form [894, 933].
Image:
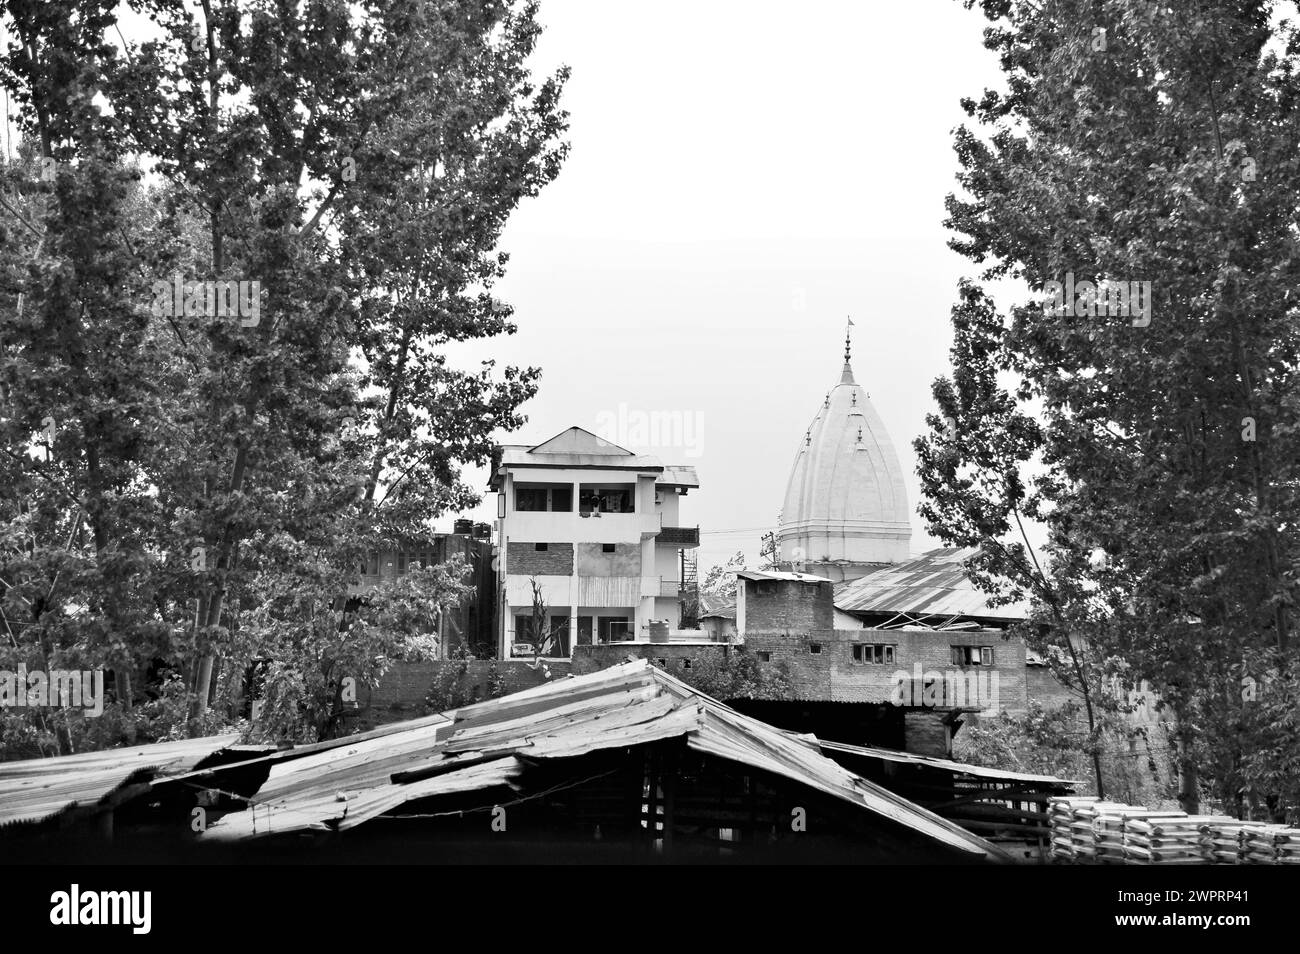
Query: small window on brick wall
[764, 657]
[876, 654]
[972, 655]
[815, 648]
[686, 664]
[607, 547]
[540, 547]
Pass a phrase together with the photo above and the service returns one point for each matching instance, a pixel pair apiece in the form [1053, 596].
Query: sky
[743, 176]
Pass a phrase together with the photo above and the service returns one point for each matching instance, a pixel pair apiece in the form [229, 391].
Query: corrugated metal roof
[34, 790]
[784, 575]
[947, 765]
[712, 604]
[484, 747]
[933, 584]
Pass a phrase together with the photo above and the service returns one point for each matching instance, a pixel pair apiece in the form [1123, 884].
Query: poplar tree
[216, 479]
[1141, 142]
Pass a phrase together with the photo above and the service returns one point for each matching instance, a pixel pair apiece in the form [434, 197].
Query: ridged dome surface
[845, 502]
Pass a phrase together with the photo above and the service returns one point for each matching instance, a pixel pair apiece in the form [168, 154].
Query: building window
[530, 498]
[766, 587]
[877, 654]
[593, 499]
[540, 547]
[607, 548]
[661, 663]
[815, 648]
[557, 498]
[972, 655]
[614, 629]
[686, 664]
[764, 657]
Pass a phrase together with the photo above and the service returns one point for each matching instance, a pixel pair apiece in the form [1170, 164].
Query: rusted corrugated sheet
[34, 790]
[627, 705]
[934, 584]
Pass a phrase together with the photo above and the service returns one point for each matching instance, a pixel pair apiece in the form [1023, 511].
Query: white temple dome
[845, 505]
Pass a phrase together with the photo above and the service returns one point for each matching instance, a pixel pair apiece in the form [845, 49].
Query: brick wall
[832, 674]
[772, 605]
[524, 559]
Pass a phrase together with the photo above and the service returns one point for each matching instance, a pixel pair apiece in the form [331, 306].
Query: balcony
[685, 537]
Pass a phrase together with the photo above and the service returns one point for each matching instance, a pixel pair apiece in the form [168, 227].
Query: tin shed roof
[489, 744]
[933, 584]
[34, 790]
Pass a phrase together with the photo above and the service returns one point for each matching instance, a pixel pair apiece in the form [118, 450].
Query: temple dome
[845, 505]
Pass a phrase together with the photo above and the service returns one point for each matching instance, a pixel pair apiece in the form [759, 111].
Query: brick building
[924, 681]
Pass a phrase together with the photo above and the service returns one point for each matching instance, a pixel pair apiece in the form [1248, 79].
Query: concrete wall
[671, 656]
[926, 733]
[670, 506]
[594, 561]
[719, 627]
[668, 563]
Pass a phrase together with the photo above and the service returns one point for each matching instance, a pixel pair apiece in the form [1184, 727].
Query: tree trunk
[1188, 785]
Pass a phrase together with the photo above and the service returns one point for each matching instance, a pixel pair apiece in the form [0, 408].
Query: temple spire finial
[847, 376]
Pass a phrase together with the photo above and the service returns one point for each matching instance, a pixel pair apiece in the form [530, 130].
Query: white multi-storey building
[597, 529]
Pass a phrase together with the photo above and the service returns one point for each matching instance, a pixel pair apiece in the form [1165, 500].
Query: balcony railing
[688, 537]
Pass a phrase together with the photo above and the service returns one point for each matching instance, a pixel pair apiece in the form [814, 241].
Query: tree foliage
[1149, 143]
[737, 674]
[191, 491]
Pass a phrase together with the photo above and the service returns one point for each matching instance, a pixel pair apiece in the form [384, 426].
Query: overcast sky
[743, 176]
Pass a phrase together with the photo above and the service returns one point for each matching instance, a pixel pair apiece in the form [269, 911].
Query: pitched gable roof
[576, 440]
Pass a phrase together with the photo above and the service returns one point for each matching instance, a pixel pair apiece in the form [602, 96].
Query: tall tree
[419, 128]
[338, 174]
[75, 359]
[1151, 147]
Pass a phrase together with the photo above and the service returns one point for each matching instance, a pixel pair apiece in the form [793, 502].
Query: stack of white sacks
[1271, 845]
[1087, 830]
